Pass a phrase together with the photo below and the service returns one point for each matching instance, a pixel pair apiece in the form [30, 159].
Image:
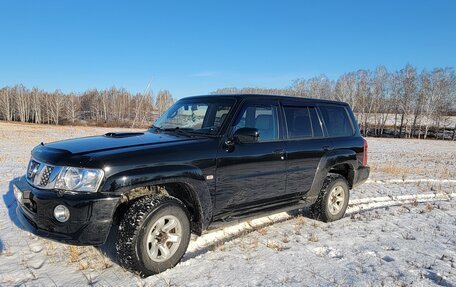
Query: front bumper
[90, 214]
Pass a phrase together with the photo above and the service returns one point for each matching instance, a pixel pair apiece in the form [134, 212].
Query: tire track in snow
[389, 181]
[219, 236]
[360, 204]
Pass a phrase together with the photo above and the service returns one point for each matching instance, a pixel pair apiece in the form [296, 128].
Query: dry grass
[285, 239]
[86, 257]
[262, 231]
[74, 253]
[313, 237]
[392, 169]
[274, 245]
[297, 230]
[5, 251]
[217, 246]
[411, 157]
[429, 207]
[253, 244]
[300, 220]
[50, 248]
[33, 134]
[92, 258]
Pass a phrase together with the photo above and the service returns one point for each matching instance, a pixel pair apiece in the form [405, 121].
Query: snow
[400, 229]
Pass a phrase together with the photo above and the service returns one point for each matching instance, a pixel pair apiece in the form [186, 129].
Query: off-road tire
[131, 238]
[320, 209]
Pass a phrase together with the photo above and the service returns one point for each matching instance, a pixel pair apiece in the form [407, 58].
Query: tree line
[403, 103]
[110, 107]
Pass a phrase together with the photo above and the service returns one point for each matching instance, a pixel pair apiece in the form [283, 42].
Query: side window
[263, 118]
[298, 122]
[336, 121]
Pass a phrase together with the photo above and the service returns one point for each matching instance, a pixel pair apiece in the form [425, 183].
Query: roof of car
[272, 97]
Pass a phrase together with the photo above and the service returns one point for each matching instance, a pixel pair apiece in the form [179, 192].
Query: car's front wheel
[153, 235]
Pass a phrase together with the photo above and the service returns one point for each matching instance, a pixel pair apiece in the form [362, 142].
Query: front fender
[193, 177]
[327, 161]
[124, 181]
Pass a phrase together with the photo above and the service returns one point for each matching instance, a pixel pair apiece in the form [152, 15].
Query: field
[400, 230]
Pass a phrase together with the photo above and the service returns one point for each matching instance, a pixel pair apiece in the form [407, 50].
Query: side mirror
[246, 135]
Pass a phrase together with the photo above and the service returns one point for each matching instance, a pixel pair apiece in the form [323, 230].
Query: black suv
[207, 160]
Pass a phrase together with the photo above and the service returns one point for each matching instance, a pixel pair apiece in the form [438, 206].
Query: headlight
[79, 179]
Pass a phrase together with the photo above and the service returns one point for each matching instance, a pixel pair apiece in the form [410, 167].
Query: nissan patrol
[206, 161]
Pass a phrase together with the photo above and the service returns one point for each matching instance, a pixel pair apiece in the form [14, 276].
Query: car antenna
[140, 103]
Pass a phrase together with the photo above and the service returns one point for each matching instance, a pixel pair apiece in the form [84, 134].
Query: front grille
[32, 169]
[41, 175]
[45, 174]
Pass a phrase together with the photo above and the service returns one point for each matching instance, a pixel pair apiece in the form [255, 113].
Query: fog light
[17, 193]
[61, 213]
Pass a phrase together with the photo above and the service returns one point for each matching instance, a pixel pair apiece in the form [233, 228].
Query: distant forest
[404, 103]
[112, 107]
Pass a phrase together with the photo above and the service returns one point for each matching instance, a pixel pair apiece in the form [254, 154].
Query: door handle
[327, 148]
[280, 152]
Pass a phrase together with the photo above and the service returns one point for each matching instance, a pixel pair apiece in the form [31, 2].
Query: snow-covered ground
[400, 229]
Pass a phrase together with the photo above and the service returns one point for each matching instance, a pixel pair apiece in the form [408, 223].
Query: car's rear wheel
[153, 235]
[333, 199]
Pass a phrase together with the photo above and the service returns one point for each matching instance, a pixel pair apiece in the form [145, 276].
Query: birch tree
[164, 101]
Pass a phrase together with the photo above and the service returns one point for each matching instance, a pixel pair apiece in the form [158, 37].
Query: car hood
[55, 151]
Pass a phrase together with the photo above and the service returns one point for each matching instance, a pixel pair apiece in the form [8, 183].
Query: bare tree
[36, 105]
[362, 93]
[164, 101]
[420, 104]
[6, 104]
[408, 77]
[22, 103]
[55, 106]
[299, 88]
[71, 107]
[345, 89]
[424, 96]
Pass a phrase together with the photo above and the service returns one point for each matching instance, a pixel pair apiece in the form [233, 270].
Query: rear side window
[316, 124]
[298, 122]
[336, 121]
[302, 122]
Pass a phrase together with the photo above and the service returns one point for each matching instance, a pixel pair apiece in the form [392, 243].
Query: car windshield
[204, 116]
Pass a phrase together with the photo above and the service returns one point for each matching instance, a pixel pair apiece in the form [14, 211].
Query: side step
[293, 209]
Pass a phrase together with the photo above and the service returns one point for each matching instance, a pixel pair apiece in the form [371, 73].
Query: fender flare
[327, 161]
[120, 183]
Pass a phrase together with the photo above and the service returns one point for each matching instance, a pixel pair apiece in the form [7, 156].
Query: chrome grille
[32, 169]
[41, 175]
[45, 174]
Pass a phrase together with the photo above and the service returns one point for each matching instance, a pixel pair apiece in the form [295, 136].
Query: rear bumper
[362, 175]
[90, 215]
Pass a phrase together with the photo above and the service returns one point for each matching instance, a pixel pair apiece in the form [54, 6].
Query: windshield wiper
[157, 129]
[184, 131]
[204, 132]
[178, 130]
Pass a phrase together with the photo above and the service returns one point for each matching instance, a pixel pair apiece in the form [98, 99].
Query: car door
[252, 174]
[305, 144]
